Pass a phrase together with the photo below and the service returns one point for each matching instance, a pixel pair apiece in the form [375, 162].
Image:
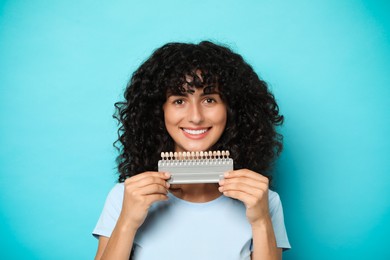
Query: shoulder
[117, 189]
[273, 196]
[274, 201]
[115, 196]
[277, 217]
[111, 211]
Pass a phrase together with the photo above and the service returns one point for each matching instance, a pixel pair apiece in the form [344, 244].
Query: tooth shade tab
[198, 155]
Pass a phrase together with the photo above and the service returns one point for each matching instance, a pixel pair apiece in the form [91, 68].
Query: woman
[194, 97]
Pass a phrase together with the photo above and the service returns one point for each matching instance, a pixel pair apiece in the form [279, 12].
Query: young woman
[194, 97]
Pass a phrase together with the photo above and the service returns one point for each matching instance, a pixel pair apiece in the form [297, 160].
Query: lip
[195, 133]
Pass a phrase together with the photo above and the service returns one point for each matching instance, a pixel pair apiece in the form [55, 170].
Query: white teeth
[195, 132]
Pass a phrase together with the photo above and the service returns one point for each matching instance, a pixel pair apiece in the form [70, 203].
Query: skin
[195, 121]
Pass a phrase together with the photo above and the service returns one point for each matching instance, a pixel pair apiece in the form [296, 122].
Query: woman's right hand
[140, 192]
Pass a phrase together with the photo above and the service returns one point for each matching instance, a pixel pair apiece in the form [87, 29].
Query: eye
[178, 102]
[209, 100]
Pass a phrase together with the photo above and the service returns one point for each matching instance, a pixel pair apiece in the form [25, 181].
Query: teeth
[195, 132]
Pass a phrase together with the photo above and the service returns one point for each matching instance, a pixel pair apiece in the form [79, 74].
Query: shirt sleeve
[277, 217]
[110, 214]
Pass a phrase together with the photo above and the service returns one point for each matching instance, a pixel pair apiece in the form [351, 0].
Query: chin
[197, 148]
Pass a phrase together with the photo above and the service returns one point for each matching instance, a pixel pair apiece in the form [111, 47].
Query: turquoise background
[64, 63]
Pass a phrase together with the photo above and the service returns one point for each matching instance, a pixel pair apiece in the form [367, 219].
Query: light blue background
[64, 63]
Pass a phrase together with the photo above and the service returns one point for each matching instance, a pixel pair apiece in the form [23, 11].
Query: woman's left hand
[252, 189]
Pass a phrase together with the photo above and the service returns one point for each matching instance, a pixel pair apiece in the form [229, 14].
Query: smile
[195, 131]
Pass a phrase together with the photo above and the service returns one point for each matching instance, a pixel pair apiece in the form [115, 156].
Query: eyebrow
[184, 94]
[210, 93]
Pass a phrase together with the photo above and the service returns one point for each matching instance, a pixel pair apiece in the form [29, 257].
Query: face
[195, 121]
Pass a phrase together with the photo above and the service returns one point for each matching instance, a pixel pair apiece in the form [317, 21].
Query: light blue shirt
[178, 229]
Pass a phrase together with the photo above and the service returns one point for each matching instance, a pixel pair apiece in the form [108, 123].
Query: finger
[149, 190]
[248, 200]
[156, 197]
[150, 180]
[147, 178]
[244, 181]
[245, 173]
[162, 175]
[244, 188]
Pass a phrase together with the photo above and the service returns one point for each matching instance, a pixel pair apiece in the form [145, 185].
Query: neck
[196, 192]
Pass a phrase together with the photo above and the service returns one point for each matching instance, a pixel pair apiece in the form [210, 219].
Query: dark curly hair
[252, 112]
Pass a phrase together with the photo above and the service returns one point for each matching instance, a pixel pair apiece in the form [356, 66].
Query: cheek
[171, 117]
[221, 116]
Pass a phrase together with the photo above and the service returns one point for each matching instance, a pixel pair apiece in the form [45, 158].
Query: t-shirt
[178, 229]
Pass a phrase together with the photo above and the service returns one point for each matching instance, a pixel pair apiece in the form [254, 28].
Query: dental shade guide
[195, 167]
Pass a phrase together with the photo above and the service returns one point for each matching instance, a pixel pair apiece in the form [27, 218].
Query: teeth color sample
[198, 155]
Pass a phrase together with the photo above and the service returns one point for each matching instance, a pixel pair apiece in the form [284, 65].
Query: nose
[195, 114]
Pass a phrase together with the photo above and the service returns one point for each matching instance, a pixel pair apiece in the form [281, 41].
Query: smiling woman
[189, 98]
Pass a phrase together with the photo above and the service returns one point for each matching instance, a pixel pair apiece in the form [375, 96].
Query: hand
[140, 192]
[252, 189]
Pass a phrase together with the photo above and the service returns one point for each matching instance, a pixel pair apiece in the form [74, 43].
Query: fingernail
[220, 189]
[226, 174]
[221, 182]
[167, 174]
[167, 184]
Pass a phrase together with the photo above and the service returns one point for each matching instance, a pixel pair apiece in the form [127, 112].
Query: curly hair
[252, 112]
